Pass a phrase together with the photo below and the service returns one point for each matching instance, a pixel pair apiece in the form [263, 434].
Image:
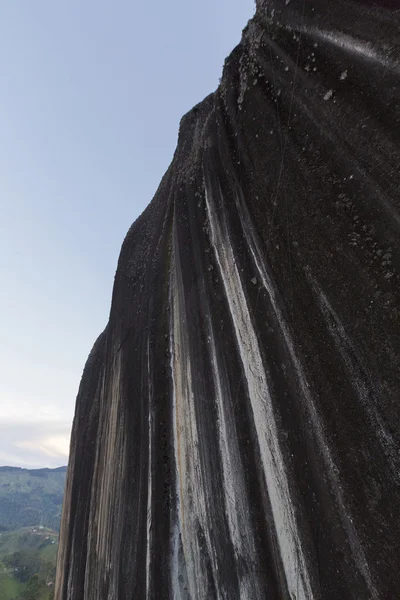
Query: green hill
[30, 497]
[40, 540]
[27, 563]
[10, 588]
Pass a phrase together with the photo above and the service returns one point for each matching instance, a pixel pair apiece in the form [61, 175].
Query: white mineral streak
[177, 534]
[149, 479]
[110, 454]
[191, 491]
[293, 560]
[347, 350]
[309, 404]
[234, 489]
[350, 44]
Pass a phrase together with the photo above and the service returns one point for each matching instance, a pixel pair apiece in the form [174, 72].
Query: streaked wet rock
[237, 425]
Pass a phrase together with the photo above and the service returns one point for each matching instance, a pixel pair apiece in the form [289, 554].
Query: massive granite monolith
[236, 433]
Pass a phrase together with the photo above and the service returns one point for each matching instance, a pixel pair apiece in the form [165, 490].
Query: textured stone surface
[237, 425]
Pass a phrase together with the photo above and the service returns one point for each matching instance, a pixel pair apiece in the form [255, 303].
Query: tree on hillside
[37, 589]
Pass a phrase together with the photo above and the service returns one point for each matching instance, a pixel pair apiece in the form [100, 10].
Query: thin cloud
[51, 446]
[24, 412]
[34, 444]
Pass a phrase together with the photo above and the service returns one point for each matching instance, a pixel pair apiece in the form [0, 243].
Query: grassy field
[39, 542]
[10, 588]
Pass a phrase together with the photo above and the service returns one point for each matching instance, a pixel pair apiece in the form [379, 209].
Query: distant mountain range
[30, 497]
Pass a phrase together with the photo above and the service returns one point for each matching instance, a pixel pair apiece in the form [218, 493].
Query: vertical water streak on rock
[236, 501]
[111, 458]
[358, 375]
[149, 480]
[198, 535]
[189, 477]
[176, 537]
[103, 549]
[289, 541]
[76, 514]
[309, 405]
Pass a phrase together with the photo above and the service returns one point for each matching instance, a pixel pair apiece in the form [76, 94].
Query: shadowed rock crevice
[236, 431]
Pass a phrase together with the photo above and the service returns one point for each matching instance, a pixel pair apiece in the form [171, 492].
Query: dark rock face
[237, 425]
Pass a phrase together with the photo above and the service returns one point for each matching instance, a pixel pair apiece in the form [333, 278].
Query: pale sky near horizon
[91, 94]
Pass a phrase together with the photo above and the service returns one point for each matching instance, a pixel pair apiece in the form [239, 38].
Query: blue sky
[91, 94]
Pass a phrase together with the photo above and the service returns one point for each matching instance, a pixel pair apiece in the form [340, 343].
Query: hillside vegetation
[30, 497]
[27, 564]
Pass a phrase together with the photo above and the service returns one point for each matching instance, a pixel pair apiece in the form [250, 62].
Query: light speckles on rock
[328, 95]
